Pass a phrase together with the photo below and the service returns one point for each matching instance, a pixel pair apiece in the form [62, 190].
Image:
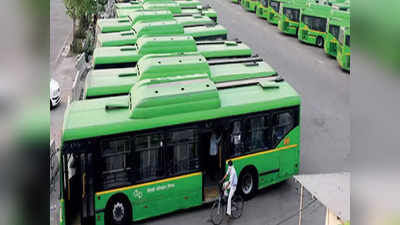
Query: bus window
[236, 139]
[334, 30]
[315, 23]
[348, 40]
[264, 3]
[148, 155]
[182, 151]
[292, 14]
[283, 123]
[114, 152]
[274, 5]
[341, 36]
[114, 163]
[257, 134]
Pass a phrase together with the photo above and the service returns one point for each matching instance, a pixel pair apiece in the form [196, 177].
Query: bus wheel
[320, 42]
[118, 210]
[248, 183]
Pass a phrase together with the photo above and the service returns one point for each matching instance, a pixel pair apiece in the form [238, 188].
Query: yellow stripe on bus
[265, 152]
[148, 183]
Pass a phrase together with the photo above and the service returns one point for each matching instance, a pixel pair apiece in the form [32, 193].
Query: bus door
[87, 188]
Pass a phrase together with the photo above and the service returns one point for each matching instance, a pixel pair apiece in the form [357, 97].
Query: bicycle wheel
[217, 213]
[237, 206]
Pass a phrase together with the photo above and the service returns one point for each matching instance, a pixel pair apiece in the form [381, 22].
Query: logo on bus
[286, 141]
[137, 194]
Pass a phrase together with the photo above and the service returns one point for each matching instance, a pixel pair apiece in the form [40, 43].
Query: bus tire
[320, 42]
[248, 182]
[118, 210]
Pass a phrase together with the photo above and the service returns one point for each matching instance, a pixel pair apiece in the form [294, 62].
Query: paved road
[60, 28]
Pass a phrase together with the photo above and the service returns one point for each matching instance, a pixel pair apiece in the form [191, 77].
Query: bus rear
[273, 11]
[313, 22]
[262, 9]
[289, 16]
[343, 48]
[338, 19]
[251, 5]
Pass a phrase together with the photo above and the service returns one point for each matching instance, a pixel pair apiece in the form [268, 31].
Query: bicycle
[218, 208]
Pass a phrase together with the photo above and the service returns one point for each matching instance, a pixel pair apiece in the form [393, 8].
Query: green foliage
[77, 9]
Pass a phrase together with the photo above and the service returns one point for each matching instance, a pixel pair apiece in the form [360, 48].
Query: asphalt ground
[60, 29]
[325, 114]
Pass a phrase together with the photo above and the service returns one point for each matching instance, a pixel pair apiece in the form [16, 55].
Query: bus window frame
[285, 9]
[195, 141]
[313, 18]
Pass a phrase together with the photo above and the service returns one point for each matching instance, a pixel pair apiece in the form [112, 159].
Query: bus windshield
[275, 6]
[334, 30]
[292, 14]
[315, 23]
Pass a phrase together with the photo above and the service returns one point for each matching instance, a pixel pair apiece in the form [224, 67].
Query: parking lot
[325, 118]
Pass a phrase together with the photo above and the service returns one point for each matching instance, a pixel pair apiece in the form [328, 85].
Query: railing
[54, 162]
[78, 84]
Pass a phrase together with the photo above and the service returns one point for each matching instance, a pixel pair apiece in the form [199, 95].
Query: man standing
[215, 139]
[231, 185]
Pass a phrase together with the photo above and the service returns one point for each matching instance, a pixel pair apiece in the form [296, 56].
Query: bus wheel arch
[320, 42]
[248, 182]
[118, 210]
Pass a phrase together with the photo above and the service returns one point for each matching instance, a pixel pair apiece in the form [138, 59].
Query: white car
[55, 94]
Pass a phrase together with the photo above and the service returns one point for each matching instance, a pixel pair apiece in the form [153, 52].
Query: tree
[79, 11]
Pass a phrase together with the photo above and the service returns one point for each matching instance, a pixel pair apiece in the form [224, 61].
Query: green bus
[251, 5]
[262, 9]
[173, 7]
[157, 28]
[132, 157]
[313, 23]
[273, 11]
[139, 4]
[335, 21]
[125, 24]
[111, 82]
[289, 16]
[343, 48]
[345, 6]
[128, 56]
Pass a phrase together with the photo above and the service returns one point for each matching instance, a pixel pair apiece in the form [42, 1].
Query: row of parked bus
[324, 23]
[167, 88]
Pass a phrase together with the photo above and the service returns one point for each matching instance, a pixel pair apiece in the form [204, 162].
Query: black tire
[237, 206]
[248, 183]
[297, 32]
[320, 42]
[118, 210]
[217, 213]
